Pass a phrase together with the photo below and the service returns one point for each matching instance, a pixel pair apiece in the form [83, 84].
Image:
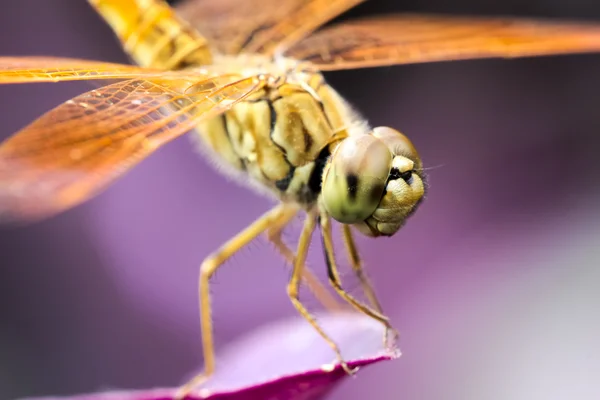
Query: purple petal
[286, 360]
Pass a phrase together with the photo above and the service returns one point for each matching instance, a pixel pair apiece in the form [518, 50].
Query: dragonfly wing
[57, 69]
[408, 39]
[259, 26]
[76, 149]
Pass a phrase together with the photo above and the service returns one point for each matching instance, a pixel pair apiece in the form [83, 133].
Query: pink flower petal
[286, 360]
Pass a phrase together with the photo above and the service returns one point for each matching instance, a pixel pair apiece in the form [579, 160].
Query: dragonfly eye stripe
[352, 182]
[377, 192]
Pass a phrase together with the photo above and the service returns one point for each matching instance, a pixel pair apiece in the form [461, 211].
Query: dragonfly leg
[313, 283]
[207, 269]
[357, 267]
[294, 285]
[391, 334]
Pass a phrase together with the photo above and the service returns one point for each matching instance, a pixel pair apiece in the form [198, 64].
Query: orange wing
[406, 39]
[56, 69]
[259, 26]
[76, 149]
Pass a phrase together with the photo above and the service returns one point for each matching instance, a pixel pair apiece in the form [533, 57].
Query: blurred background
[493, 284]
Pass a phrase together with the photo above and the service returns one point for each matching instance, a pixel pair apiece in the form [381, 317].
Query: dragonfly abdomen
[153, 35]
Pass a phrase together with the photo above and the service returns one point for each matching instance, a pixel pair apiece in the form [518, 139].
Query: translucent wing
[56, 69]
[76, 149]
[260, 26]
[406, 39]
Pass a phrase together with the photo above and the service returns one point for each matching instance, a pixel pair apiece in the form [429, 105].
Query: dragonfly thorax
[279, 139]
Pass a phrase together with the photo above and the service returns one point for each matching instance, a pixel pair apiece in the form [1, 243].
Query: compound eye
[398, 144]
[355, 177]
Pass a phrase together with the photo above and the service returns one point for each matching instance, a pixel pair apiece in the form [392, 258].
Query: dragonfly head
[374, 182]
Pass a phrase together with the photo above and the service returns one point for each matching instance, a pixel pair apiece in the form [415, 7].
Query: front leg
[207, 269]
[391, 334]
[357, 267]
[294, 285]
[313, 283]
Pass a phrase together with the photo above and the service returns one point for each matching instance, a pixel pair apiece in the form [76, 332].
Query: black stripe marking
[352, 182]
[321, 105]
[284, 183]
[272, 116]
[377, 193]
[228, 135]
[308, 142]
[273, 119]
[226, 129]
[316, 176]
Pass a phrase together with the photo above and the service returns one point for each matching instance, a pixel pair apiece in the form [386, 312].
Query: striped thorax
[280, 136]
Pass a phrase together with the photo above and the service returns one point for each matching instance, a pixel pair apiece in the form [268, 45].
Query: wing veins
[418, 38]
[34, 186]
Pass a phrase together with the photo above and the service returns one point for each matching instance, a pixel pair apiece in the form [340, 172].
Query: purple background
[494, 283]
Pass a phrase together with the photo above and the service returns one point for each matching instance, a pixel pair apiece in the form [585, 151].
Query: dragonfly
[244, 78]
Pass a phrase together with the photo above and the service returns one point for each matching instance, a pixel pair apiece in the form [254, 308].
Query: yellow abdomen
[153, 35]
